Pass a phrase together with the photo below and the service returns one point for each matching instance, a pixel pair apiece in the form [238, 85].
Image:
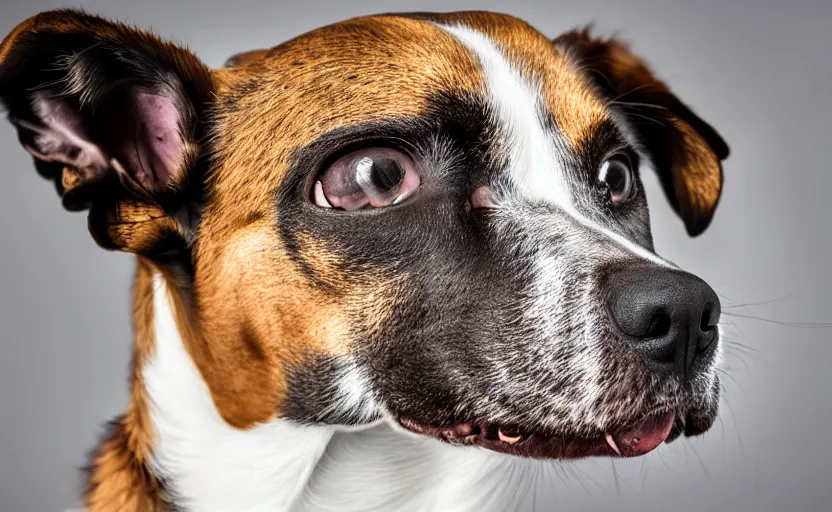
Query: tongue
[645, 437]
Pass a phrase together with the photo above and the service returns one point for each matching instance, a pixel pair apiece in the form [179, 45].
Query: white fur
[539, 175]
[516, 102]
[211, 466]
[532, 157]
[385, 469]
[356, 394]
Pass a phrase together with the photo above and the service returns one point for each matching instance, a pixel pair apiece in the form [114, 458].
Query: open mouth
[630, 441]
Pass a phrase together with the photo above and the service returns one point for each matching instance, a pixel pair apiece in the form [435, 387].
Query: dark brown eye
[366, 178]
[616, 174]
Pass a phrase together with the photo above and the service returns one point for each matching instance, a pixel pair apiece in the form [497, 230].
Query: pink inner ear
[138, 129]
[158, 147]
[61, 137]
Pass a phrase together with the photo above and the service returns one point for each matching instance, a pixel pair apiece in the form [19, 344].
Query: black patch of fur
[455, 278]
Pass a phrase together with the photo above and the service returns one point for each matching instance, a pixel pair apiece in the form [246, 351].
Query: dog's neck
[208, 465]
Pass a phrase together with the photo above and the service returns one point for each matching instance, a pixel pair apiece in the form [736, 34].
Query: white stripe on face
[516, 104]
[531, 150]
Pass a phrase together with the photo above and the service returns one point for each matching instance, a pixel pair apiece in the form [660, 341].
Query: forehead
[388, 67]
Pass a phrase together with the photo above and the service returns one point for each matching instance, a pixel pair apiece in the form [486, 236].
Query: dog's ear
[113, 115]
[685, 150]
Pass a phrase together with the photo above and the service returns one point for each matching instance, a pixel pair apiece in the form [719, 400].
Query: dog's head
[438, 219]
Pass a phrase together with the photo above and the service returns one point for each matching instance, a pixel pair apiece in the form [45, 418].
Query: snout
[669, 316]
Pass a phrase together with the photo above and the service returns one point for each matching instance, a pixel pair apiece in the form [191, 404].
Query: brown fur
[119, 477]
[245, 58]
[566, 90]
[338, 76]
[688, 147]
[250, 314]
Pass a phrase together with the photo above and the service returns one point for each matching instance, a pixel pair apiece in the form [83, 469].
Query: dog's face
[438, 219]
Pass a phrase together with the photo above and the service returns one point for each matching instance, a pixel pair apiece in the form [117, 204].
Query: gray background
[758, 71]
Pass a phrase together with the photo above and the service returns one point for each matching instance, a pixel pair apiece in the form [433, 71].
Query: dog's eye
[616, 174]
[366, 178]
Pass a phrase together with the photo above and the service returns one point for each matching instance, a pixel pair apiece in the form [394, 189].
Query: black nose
[670, 316]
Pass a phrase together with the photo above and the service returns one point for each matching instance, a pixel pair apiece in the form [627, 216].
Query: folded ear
[112, 114]
[685, 150]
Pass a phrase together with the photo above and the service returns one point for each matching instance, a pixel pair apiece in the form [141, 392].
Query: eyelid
[626, 152]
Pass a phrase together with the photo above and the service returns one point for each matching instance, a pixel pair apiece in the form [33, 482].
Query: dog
[402, 262]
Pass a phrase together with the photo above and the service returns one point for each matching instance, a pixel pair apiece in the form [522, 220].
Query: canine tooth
[508, 439]
[611, 442]
[320, 197]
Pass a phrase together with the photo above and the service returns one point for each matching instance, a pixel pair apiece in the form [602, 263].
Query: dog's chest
[210, 466]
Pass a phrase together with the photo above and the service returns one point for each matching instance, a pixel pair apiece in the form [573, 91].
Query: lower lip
[633, 442]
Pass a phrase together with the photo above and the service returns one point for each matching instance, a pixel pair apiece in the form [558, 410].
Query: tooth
[508, 439]
[611, 442]
[320, 197]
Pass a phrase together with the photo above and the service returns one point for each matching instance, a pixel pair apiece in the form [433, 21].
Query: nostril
[659, 325]
[705, 324]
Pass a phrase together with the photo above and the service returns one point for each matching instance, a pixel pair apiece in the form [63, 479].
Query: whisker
[730, 352]
[631, 91]
[636, 104]
[701, 462]
[729, 376]
[743, 347]
[586, 475]
[742, 368]
[661, 457]
[783, 323]
[643, 472]
[741, 352]
[646, 118]
[578, 477]
[535, 480]
[759, 303]
[590, 70]
[515, 489]
[734, 420]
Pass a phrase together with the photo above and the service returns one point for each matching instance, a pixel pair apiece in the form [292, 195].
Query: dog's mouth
[631, 441]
